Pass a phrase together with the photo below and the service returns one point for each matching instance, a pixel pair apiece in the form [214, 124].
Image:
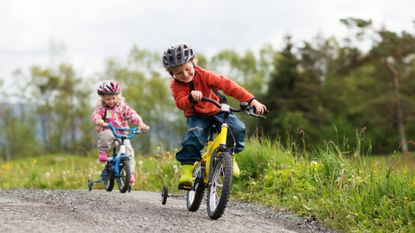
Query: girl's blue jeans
[198, 128]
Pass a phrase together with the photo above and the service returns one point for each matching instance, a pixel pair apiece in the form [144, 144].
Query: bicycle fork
[215, 149]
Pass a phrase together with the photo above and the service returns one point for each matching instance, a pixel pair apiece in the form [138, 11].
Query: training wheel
[164, 195]
[90, 183]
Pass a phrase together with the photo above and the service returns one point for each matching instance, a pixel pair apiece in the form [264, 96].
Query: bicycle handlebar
[132, 131]
[244, 107]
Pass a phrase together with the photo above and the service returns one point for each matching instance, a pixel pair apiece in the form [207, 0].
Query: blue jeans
[198, 128]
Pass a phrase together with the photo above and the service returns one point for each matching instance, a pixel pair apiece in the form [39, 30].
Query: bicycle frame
[214, 148]
[214, 171]
[115, 161]
[117, 157]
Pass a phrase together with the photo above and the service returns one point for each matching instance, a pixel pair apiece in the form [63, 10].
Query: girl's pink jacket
[118, 116]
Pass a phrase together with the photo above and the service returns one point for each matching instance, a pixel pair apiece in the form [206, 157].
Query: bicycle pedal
[186, 187]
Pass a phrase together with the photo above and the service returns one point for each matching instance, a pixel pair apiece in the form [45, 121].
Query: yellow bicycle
[214, 170]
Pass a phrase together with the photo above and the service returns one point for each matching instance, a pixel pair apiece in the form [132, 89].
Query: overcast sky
[94, 30]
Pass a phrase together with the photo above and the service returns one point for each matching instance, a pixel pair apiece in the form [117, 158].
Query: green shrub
[347, 190]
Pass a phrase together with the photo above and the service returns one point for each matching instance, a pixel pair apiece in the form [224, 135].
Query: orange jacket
[205, 81]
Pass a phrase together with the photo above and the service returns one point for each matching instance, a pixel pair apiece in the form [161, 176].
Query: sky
[87, 32]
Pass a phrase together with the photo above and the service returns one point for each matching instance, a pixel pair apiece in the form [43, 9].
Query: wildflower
[356, 180]
[315, 166]
[175, 169]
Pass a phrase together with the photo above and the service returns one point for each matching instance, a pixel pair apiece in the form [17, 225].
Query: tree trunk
[397, 100]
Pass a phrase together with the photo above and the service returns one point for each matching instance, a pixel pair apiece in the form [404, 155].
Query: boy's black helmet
[177, 55]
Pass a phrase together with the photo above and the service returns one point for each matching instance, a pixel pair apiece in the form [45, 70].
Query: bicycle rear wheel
[125, 173]
[194, 196]
[220, 186]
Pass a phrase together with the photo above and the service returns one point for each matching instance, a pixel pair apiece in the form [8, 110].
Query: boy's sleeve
[181, 97]
[230, 87]
[132, 116]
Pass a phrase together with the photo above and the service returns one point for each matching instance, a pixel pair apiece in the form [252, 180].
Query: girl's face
[184, 73]
[110, 100]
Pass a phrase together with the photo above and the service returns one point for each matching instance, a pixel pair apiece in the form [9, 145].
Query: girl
[112, 109]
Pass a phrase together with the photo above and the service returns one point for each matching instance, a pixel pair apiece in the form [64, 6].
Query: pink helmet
[109, 87]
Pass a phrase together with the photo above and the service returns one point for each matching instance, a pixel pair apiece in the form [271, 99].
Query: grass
[72, 172]
[348, 191]
[352, 192]
[51, 171]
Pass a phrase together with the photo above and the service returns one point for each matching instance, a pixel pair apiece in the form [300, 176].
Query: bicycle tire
[125, 173]
[221, 179]
[90, 184]
[164, 195]
[194, 197]
[109, 180]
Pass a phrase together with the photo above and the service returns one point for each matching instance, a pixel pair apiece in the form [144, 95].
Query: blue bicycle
[117, 167]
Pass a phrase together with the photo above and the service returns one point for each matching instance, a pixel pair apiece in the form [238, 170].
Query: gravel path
[29, 210]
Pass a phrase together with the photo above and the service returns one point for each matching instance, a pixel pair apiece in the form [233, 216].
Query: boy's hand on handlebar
[260, 108]
[196, 95]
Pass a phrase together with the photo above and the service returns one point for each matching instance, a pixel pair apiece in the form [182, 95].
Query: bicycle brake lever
[257, 115]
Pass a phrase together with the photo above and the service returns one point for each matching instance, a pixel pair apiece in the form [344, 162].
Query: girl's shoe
[102, 156]
[132, 179]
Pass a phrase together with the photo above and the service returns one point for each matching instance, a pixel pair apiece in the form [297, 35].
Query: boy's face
[110, 100]
[184, 73]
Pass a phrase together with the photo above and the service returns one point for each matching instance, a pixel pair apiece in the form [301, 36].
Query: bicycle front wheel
[109, 178]
[220, 186]
[124, 178]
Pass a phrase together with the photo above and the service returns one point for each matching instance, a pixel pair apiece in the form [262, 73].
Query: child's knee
[241, 129]
[106, 137]
[194, 137]
[130, 154]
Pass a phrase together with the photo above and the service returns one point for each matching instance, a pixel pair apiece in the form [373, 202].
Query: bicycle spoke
[220, 187]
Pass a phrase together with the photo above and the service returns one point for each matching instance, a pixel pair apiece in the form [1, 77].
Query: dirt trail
[27, 210]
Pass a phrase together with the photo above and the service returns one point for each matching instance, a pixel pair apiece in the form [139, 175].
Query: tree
[18, 136]
[392, 56]
[61, 102]
[285, 117]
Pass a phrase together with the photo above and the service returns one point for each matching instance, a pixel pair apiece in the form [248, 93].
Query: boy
[190, 83]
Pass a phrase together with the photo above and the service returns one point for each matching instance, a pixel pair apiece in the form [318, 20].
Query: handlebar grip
[265, 112]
